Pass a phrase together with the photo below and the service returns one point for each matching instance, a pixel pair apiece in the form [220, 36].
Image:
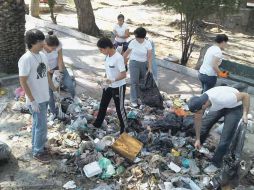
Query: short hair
[105, 43]
[120, 16]
[221, 38]
[51, 39]
[33, 36]
[140, 32]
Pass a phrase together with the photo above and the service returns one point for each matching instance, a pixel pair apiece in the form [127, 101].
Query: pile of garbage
[155, 152]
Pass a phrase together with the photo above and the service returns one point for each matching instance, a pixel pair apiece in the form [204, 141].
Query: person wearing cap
[221, 101]
[209, 69]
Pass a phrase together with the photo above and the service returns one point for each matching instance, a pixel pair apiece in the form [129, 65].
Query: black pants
[207, 82]
[232, 117]
[118, 94]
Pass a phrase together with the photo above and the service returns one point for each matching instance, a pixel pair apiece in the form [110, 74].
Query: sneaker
[52, 117]
[211, 169]
[43, 158]
[133, 104]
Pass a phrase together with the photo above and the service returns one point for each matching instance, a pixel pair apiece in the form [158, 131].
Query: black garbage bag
[171, 121]
[149, 92]
[5, 151]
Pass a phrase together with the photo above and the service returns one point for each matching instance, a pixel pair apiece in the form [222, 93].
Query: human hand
[245, 118]
[108, 81]
[35, 106]
[197, 144]
[57, 95]
[223, 74]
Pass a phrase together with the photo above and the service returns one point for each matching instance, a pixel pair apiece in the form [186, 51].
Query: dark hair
[140, 32]
[105, 43]
[33, 36]
[52, 39]
[120, 16]
[221, 38]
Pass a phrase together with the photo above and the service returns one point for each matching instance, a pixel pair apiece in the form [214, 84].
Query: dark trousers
[232, 117]
[124, 44]
[118, 95]
[207, 82]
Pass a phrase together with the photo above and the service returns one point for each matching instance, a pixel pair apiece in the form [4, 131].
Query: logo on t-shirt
[41, 71]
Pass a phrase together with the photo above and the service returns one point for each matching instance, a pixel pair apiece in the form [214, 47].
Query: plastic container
[92, 169]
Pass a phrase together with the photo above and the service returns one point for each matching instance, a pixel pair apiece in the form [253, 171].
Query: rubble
[156, 152]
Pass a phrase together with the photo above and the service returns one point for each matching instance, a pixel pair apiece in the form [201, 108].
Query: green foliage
[51, 3]
[193, 11]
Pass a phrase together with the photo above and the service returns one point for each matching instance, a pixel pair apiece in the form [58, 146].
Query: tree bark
[35, 8]
[12, 29]
[86, 19]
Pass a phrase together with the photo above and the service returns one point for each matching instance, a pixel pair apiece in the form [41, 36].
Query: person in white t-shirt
[34, 79]
[53, 50]
[221, 101]
[116, 84]
[209, 70]
[121, 32]
[140, 52]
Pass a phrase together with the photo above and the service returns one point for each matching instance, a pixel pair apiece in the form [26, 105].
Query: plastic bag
[149, 92]
[5, 151]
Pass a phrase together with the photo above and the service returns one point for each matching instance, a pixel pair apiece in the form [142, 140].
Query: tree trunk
[12, 29]
[35, 8]
[86, 19]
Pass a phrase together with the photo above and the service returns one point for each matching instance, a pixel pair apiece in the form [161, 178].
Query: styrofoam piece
[92, 169]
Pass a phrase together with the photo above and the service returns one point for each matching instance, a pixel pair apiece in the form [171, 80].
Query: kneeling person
[222, 101]
[116, 74]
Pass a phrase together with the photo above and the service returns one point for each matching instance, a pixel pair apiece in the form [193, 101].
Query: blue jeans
[68, 84]
[207, 82]
[232, 117]
[39, 128]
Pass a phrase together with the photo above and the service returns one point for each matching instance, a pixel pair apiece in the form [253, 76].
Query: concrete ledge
[194, 73]
[63, 29]
[9, 80]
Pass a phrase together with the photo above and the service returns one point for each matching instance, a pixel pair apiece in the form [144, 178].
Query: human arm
[245, 98]
[149, 59]
[23, 83]
[60, 60]
[121, 76]
[126, 55]
[215, 63]
[126, 34]
[198, 122]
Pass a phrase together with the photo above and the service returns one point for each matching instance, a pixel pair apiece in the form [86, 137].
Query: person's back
[207, 66]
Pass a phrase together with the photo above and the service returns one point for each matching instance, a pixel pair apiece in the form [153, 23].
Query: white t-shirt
[53, 57]
[139, 51]
[114, 65]
[222, 97]
[207, 66]
[120, 30]
[35, 67]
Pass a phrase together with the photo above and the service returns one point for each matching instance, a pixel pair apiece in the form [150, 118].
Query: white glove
[57, 95]
[61, 76]
[35, 106]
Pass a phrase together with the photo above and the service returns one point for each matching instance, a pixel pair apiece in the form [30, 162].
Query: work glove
[57, 95]
[35, 106]
[223, 74]
[61, 76]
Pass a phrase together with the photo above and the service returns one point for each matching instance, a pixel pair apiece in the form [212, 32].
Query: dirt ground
[162, 27]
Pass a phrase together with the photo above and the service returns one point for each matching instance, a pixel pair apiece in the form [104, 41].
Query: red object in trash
[43, 1]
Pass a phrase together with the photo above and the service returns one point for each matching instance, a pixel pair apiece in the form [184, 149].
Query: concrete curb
[9, 80]
[63, 29]
[194, 73]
